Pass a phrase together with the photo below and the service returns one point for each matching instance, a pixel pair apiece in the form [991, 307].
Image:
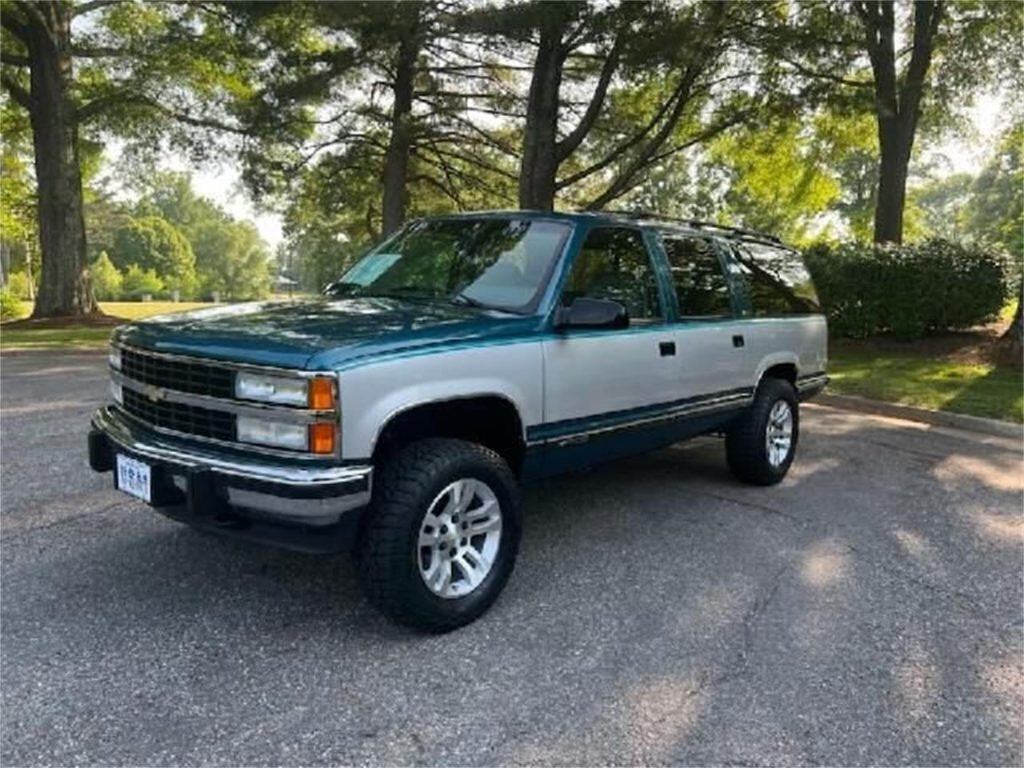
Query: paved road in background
[866, 611]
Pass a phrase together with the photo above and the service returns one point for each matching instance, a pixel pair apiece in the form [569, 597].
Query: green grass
[133, 310]
[1008, 312]
[86, 336]
[54, 338]
[977, 389]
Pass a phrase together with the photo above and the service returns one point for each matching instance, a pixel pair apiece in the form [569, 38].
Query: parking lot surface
[866, 611]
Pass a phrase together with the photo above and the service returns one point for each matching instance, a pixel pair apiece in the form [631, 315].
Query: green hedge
[909, 290]
[10, 305]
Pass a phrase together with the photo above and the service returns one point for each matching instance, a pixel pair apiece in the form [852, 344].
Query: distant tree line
[167, 243]
[354, 116]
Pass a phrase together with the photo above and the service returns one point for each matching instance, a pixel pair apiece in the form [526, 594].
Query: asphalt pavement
[867, 611]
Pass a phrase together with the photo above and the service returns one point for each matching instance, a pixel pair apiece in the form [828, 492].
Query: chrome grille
[182, 375]
[180, 417]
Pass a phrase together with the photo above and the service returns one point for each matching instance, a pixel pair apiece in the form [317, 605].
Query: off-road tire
[745, 448]
[403, 490]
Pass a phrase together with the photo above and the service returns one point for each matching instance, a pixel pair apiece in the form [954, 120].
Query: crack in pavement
[752, 505]
[22, 533]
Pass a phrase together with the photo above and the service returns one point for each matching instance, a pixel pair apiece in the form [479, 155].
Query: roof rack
[737, 232]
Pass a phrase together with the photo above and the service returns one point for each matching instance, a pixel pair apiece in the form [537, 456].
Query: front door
[605, 389]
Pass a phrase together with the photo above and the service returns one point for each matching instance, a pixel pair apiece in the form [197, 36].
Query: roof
[644, 218]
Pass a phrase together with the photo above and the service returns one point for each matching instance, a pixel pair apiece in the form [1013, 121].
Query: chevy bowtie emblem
[155, 394]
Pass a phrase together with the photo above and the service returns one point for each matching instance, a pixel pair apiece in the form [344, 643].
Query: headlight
[275, 433]
[115, 358]
[115, 393]
[317, 393]
[280, 390]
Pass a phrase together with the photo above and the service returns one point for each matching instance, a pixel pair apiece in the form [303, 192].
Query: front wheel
[442, 535]
[761, 445]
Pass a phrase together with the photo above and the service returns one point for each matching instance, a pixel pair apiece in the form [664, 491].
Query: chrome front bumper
[196, 485]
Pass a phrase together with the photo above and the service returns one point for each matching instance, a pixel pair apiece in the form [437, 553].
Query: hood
[318, 333]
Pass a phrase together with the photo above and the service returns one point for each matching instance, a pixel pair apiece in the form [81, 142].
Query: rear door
[711, 343]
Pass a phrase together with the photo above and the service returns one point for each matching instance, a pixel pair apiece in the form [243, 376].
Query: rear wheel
[441, 538]
[761, 445]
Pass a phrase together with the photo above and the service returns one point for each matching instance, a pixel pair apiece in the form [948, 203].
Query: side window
[614, 264]
[776, 280]
[701, 286]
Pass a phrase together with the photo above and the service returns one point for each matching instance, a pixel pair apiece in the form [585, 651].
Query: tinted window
[776, 280]
[701, 286]
[614, 264]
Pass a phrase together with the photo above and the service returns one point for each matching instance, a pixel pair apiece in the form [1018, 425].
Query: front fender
[374, 394]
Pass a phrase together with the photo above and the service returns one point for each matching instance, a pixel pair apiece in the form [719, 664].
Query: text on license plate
[133, 477]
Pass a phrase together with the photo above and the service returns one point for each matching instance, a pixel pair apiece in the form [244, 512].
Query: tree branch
[568, 145]
[93, 5]
[15, 26]
[451, 194]
[435, 146]
[927, 15]
[31, 12]
[97, 52]
[878, 22]
[632, 178]
[99, 105]
[13, 59]
[808, 72]
[670, 111]
[484, 136]
[19, 94]
[620, 148]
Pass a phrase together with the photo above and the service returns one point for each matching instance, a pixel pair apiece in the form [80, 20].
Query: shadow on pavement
[868, 610]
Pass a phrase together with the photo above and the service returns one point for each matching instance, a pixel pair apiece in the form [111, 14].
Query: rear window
[776, 280]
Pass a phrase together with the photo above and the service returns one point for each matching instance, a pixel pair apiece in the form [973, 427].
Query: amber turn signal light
[321, 393]
[321, 437]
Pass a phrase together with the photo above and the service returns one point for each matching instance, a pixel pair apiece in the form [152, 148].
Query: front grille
[180, 417]
[181, 375]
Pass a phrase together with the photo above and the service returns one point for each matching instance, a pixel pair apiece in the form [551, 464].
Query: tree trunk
[396, 160]
[897, 101]
[64, 287]
[540, 138]
[894, 160]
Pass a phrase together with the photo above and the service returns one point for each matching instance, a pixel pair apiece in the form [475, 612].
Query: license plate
[133, 477]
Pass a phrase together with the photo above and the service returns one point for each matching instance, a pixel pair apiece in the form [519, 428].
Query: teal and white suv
[397, 414]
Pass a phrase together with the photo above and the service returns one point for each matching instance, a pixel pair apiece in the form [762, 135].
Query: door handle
[738, 340]
[667, 348]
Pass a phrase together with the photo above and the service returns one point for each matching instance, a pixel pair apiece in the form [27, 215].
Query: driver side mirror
[587, 312]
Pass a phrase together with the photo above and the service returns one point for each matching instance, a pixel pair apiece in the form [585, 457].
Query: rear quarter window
[776, 280]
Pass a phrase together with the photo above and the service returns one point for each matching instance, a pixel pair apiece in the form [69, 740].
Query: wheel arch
[491, 419]
[783, 365]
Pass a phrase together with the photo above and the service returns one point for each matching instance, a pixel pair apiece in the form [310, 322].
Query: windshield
[492, 263]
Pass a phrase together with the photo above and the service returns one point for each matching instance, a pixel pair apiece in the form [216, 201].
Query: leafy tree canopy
[153, 243]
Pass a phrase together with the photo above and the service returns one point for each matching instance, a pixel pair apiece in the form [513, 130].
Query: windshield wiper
[340, 288]
[469, 301]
